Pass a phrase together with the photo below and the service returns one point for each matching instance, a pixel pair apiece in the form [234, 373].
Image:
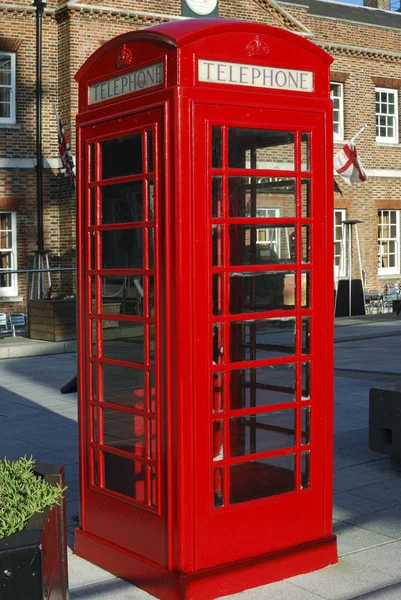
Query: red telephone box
[205, 314]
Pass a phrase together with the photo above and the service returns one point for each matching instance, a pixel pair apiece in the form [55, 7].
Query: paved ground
[35, 418]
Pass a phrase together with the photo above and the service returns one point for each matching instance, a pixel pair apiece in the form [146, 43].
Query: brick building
[364, 41]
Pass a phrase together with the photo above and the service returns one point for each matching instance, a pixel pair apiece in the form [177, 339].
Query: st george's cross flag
[65, 152]
[348, 165]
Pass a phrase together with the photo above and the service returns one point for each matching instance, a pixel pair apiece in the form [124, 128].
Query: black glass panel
[122, 249]
[122, 203]
[122, 295]
[262, 244]
[260, 149]
[251, 434]
[123, 386]
[122, 156]
[125, 476]
[262, 339]
[262, 478]
[262, 386]
[124, 431]
[261, 291]
[123, 340]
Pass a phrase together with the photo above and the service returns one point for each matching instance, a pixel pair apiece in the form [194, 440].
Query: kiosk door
[263, 374]
[124, 497]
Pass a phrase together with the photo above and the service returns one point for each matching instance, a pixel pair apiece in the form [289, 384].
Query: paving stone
[385, 522]
[348, 506]
[354, 539]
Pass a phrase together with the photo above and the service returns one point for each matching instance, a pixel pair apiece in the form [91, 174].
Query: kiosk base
[209, 583]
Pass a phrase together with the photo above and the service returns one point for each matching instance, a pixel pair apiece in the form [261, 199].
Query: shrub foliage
[22, 494]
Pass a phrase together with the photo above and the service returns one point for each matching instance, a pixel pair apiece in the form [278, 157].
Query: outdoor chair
[391, 292]
[16, 323]
[3, 323]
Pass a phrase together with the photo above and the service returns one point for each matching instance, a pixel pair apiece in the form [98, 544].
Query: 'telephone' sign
[255, 76]
[135, 81]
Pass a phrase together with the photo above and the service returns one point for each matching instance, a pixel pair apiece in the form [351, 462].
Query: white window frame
[340, 270]
[11, 290]
[382, 241]
[338, 99]
[11, 120]
[380, 113]
[264, 232]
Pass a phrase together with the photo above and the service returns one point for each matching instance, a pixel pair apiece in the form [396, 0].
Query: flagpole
[359, 133]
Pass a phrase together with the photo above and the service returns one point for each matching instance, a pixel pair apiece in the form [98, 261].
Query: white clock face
[202, 7]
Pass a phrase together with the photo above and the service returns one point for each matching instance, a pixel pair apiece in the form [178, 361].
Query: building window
[386, 116]
[270, 236]
[339, 258]
[337, 95]
[389, 242]
[7, 87]
[8, 253]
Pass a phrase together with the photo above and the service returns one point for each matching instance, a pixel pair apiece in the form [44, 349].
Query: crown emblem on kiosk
[124, 57]
[257, 48]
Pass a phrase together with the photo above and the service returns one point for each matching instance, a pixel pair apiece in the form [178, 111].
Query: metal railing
[27, 274]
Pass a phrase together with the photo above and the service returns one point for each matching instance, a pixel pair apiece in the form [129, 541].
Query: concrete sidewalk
[35, 418]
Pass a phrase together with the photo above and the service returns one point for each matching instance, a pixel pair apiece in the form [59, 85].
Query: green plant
[22, 494]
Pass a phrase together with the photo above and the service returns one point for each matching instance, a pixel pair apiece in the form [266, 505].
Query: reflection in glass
[305, 244]
[152, 383]
[305, 470]
[218, 391]
[151, 248]
[260, 149]
[306, 335]
[217, 197]
[95, 427]
[306, 380]
[262, 432]
[265, 197]
[218, 347]
[124, 431]
[305, 151]
[93, 368]
[125, 476]
[217, 245]
[92, 249]
[122, 295]
[93, 348]
[122, 156]
[218, 440]
[262, 386]
[262, 478]
[122, 249]
[151, 296]
[217, 151]
[122, 203]
[91, 154]
[92, 204]
[149, 140]
[151, 199]
[305, 197]
[261, 291]
[95, 466]
[123, 340]
[123, 386]
[152, 344]
[153, 439]
[153, 487]
[261, 244]
[218, 487]
[217, 294]
[305, 425]
[262, 339]
[306, 287]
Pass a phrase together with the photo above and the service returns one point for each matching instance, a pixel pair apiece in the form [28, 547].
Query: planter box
[33, 562]
[52, 320]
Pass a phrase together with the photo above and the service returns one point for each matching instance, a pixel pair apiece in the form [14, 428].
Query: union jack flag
[65, 151]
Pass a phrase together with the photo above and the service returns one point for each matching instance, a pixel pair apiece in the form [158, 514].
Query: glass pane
[217, 153]
[305, 151]
[95, 467]
[218, 392]
[151, 248]
[218, 347]
[122, 295]
[153, 439]
[152, 344]
[5, 224]
[122, 203]
[218, 488]
[306, 250]
[261, 244]
[262, 339]
[152, 382]
[93, 368]
[123, 386]
[124, 431]
[151, 200]
[264, 197]
[122, 249]
[305, 470]
[262, 478]
[252, 434]
[217, 245]
[262, 386]
[306, 381]
[305, 285]
[306, 197]
[153, 487]
[217, 294]
[95, 427]
[123, 340]
[93, 347]
[124, 476]
[92, 172]
[217, 197]
[306, 335]
[218, 440]
[305, 425]
[260, 149]
[261, 291]
[149, 139]
[122, 156]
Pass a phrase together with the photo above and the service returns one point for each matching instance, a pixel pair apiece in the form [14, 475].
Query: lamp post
[40, 7]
